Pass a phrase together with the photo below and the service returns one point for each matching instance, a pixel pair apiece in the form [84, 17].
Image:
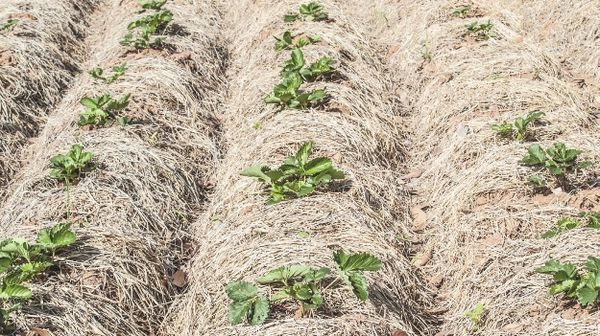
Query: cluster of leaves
[117, 72]
[286, 42]
[299, 283]
[70, 166]
[294, 73]
[21, 261]
[297, 175]
[476, 315]
[148, 27]
[461, 11]
[9, 24]
[583, 287]
[311, 11]
[558, 160]
[102, 108]
[518, 129]
[565, 224]
[481, 31]
[151, 4]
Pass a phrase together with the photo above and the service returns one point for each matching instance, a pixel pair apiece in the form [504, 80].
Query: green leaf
[357, 261]
[260, 311]
[290, 17]
[536, 156]
[537, 181]
[593, 219]
[258, 172]
[15, 291]
[241, 291]
[316, 166]
[88, 102]
[587, 296]
[359, 285]
[238, 311]
[303, 153]
[476, 313]
[284, 274]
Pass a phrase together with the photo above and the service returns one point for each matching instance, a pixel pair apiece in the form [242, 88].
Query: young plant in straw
[558, 160]
[152, 4]
[102, 108]
[297, 176]
[311, 11]
[21, 262]
[117, 72]
[143, 31]
[592, 221]
[461, 11]
[286, 42]
[581, 286]
[480, 31]
[70, 166]
[296, 65]
[519, 128]
[476, 316]
[300, 284]
[288, 94]
[9, 24]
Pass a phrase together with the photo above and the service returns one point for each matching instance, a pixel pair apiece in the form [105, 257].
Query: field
[455, 152]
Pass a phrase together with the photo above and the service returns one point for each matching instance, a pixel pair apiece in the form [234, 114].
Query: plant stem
[68, 193]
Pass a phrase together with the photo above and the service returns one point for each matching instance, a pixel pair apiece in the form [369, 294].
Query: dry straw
[241, 238]
[483, 221]
[38, 59]
[149, 181]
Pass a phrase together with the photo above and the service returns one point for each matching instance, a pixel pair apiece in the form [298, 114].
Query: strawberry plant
[558, 160]
[296, 65]
[301, 284]
[288, 93]
[148, 27]
[297, 176]
[565, 224]
[311, 11]
[117, 72]
[583, 287]
[21, 262]
[70, 166]
[519, 131]
[152, 4]
[481, 31]
[285, 42]
[461, 11]
[10, 23]
[246, 303]
[102, 108]
[476, 315]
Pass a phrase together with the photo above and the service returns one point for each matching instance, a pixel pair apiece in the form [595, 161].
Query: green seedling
[582, 287]
[10, 23]
[565, 224]
[152, 4]
[302, 284]
[476, 315]
[297, 176]
[148, 27]
[285, 42]
[296, 65]
[247, 303]
[117, 72]
[21, 262]
[288, 93]
[481, 31]
[558, 160]
[352, 268]
[312, 11]
[102, 108]
[72, 165]
[462, 11]
[519, 130]
[537, 181]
